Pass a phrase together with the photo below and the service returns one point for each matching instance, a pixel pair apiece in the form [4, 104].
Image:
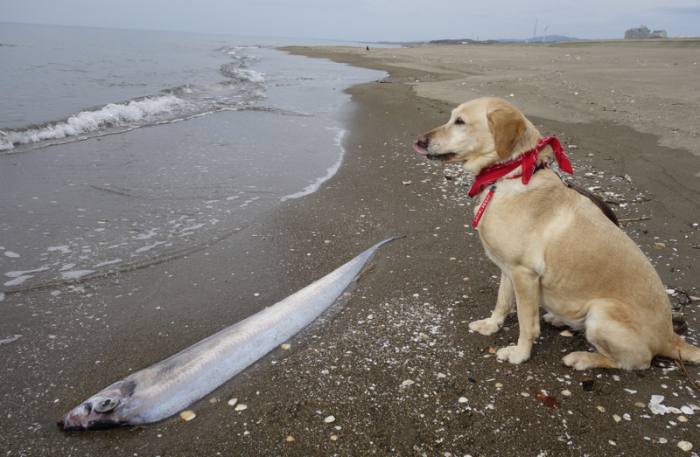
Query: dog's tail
[678, 348]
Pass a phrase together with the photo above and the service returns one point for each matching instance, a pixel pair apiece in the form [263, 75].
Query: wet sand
[407, 318]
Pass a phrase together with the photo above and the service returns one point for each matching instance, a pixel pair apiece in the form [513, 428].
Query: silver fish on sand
[167, 387]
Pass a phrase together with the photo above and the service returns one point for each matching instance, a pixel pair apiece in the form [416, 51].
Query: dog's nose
[421, 144]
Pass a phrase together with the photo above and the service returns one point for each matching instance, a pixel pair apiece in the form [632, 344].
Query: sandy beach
[397, 368]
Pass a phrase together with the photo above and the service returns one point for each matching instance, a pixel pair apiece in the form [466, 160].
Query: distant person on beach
[368, 48]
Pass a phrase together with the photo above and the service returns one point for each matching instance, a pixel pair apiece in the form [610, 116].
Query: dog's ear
[507, 126]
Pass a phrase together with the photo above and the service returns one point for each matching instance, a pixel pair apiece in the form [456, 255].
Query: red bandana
[528, 161]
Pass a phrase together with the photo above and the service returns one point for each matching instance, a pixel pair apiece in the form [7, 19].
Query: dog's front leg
[504, 306]
[526, 285]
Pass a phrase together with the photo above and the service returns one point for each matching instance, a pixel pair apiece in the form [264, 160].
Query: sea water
[123, 148]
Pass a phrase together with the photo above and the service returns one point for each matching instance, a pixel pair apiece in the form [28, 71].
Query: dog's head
[480, 132]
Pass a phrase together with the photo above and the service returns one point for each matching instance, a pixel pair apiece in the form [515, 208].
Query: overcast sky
[368, 20]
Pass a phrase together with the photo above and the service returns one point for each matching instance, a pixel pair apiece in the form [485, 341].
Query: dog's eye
[459, 121]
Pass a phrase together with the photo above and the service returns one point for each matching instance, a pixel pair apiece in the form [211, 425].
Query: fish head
[102, 411]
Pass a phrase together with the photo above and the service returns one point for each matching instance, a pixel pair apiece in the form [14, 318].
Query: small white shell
[241, 407]
[329, 419]
[188, 415]
[656, 399]
[686, 446]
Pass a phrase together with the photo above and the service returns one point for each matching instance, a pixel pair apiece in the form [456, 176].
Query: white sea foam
[18, 281]
[63, 249]
[330, 172]
[12, 255]
[9, 340]
[149, 247]
[109, 262]
[76, 274]
[249, 75]
[188, 230]
[17, 274]
[145, 236]
[67, 266]
[111, 115]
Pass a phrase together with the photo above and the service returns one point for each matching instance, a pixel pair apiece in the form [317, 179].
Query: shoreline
[405, 320]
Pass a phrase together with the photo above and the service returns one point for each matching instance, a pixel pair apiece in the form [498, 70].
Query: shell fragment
[686, 446]
[188, 415]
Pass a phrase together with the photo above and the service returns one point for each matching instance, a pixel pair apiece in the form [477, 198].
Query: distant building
[643, 32]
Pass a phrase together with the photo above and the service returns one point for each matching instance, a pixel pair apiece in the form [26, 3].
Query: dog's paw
[578, 361]
[554, 320]
[585, 360]
[513, 355]
[485, 326]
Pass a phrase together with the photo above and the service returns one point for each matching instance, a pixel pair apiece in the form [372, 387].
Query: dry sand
[651, 86]
[407, 318]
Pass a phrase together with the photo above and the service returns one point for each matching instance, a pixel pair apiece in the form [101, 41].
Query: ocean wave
[238, 71]
[237, 68]
[244, 75]
[241, 89]
[236, 53]
[111, 115]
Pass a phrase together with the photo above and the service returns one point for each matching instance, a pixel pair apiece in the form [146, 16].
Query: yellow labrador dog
[554, 246]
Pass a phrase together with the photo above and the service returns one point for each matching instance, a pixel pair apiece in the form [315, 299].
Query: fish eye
[459, 121]
[107, 404]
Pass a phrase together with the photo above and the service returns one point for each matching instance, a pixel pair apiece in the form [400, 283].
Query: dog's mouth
[420, 146]
[441, 158]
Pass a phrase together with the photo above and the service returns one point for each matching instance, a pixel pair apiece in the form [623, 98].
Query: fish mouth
[82, 419]
[93, 425]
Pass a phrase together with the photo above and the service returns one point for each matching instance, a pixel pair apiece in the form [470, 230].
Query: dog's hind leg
[585, 360]
[504, 306]
[619, 341]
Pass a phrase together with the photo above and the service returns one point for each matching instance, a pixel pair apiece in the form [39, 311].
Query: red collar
[528, 161]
